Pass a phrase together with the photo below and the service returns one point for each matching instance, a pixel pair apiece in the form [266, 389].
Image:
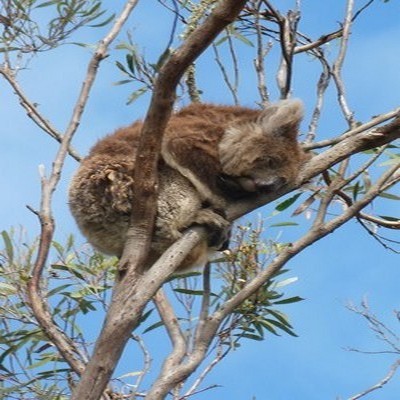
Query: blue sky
[343, 267]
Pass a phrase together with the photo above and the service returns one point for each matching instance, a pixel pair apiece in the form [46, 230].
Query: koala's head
[263, 155]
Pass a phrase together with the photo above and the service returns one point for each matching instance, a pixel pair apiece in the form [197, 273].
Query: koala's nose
[270, 185]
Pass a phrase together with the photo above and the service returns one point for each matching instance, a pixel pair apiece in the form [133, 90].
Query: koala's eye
[272, 163]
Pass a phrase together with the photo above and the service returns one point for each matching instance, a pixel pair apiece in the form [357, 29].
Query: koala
[211, 155]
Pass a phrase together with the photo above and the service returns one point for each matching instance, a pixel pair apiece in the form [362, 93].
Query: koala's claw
[219, 229]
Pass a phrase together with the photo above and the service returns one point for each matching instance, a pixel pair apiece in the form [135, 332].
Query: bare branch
[32, 110]
[322, 85]
[205, 303]
[146, 361]
[217, 359]
[171, 324]
[261, 54]
[190, 80]
[361, 128]
[381, 383]
[287, 33]
[338, 64]
[319, 42]
[232, 87]
[384, 333]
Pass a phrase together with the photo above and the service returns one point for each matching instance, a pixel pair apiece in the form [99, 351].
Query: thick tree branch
[139, 234]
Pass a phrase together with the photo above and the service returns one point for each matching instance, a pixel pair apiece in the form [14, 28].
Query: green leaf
[49, 358]
[284, 224]
[135, 95]
[8, 246]
[220, 41]
[389, 196]
[392, 161]
[153, 326]
[121, 67]
[280, 316]
[58, 247]
[294, 299]
[184, 275]
[269, 327]
[387, 218]
[189, 291]
[283, 327]
[286, 282]
[161, 60]
[243, 39]
[46, 4]
[145, 316]
[6, 289]
[287, 203]
[103, 23]
[48, 374]
[58, 289]
[129, 62]
[19, 5]
[356, 190]
[252, 337]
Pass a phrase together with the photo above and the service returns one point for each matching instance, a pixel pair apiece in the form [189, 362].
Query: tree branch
[338, 64]
[381, 383]
[32, 111]
[37, 298]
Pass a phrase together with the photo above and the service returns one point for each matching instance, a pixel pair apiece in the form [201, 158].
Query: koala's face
[265, 177]
[265, 155]
[266, 174]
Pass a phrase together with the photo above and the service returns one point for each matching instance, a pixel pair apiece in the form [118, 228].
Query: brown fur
[210, 154]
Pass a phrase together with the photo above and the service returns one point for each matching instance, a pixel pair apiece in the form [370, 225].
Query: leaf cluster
[259, 313]
[31, 26]
[76, 283]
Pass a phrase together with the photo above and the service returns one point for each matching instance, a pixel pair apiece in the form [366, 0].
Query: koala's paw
[218, 227]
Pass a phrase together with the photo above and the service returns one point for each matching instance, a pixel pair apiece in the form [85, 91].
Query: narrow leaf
[294, 299]
[8, 246]
[287, 203]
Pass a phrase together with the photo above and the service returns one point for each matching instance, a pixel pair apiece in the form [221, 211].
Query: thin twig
[231, 86]
[32, 110]
[380, 384]
[338, 64]
[322, 85]
[355, 131]
[261, 54]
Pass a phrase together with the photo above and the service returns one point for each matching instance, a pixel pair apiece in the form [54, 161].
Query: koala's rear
[210, 155]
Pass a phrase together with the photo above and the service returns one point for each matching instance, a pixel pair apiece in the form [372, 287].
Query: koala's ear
[282, 118]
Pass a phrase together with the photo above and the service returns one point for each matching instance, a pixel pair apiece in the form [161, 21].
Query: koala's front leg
[219, 229]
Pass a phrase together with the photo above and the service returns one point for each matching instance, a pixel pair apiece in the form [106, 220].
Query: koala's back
[100, 195]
